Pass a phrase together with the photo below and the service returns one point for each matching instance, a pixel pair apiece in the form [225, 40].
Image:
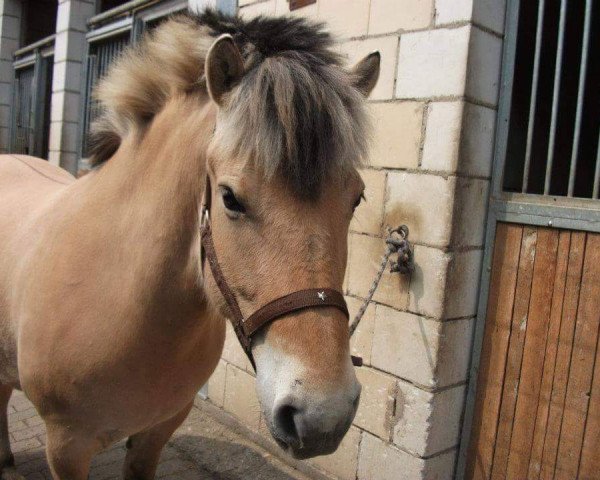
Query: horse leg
[69, 452]
[144, 448]
[7, 461]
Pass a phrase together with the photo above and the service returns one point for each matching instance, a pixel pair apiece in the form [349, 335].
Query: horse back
[27, 185]
[32, 169]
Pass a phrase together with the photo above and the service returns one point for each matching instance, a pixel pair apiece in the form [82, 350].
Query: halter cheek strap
[245, 328]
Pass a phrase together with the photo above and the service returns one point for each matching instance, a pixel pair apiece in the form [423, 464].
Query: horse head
[291, 131]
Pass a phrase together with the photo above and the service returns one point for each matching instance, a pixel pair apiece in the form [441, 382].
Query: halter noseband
[245, 328]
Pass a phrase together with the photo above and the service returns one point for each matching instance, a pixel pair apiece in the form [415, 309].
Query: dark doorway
[39, 20]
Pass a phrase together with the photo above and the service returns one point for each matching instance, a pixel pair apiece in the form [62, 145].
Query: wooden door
[537, 407]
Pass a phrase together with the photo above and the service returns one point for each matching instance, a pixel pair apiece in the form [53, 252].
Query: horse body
[107, 322]
[28, 187]
[102, 319]
[117, 282]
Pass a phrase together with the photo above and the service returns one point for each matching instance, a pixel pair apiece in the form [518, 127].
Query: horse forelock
[294, 113]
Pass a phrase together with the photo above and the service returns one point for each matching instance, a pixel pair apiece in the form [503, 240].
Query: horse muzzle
[307, 429]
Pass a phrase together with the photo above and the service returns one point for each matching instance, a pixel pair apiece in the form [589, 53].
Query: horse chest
[125, 381]
[161, 381]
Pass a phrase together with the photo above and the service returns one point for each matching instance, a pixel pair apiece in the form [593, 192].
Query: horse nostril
[286, 424]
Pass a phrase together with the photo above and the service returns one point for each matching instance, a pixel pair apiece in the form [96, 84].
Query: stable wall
[434, 111]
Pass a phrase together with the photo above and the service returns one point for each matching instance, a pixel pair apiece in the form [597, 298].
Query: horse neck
[155, 184]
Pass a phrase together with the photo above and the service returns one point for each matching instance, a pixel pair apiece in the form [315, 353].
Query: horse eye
[359, 200]
[230, 202]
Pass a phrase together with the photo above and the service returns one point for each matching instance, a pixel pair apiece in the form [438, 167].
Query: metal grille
[554, 126]
[23, 112]
[101, 55]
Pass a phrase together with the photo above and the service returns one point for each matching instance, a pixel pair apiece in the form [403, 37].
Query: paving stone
[31, 462]
[24, 445]
[15, 425]
[20, 404]
[34, 421]
[23, 415]
[37, 475]
[201, 449]
[28, 433]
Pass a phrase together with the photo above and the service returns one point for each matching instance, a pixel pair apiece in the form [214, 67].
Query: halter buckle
[204, 215]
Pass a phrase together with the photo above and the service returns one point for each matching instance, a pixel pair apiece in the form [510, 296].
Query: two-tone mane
[292, 109]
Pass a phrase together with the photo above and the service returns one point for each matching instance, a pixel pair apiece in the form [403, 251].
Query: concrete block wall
[69, 52]
[434, 111]
[10, 34]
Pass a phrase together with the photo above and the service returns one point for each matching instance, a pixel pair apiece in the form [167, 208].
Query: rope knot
[397, 242]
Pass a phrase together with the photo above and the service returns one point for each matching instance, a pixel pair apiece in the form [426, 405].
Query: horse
[108, 321]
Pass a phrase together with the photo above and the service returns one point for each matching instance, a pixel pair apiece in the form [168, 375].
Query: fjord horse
[107, 321]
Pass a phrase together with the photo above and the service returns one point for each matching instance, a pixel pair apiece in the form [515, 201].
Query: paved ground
[201, 449]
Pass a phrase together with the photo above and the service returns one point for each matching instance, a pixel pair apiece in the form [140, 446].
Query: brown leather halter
[245, 328]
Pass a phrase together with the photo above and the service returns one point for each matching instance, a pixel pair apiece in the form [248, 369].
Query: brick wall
[434, 112]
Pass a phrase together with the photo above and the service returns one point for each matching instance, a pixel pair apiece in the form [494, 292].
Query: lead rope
[396, 242]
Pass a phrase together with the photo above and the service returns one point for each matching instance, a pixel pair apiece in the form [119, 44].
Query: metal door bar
[555, 95]
[597, 172]
[580, 95]
[534, 90]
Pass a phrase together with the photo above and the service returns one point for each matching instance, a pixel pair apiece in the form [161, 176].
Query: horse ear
[223, 67]
[366, 73]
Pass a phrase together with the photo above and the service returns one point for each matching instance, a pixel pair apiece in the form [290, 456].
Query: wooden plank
[582, 366]
[563, 354]
[558, 295]
[515, 353]
[590, 454]
[532, 365]
[503, 281]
